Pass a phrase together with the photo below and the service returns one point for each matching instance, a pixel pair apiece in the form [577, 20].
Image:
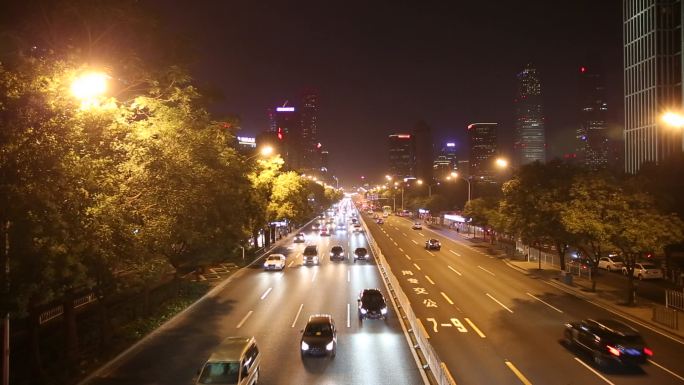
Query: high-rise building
[424, 151]
[592, 134]
[653, 79]
[483, 151]
[445, 163]
[288, 130]
[530, 133]
[402, 159]
[309, 128]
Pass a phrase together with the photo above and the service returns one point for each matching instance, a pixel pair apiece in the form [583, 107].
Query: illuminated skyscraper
[446, 161]
[652, 78]
[402, 158]
[530, 133]
[592, 134]
[288, 131]
[309, 130]
[483, 151]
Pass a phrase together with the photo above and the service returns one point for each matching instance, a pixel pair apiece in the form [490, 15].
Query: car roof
[277, 255]
[371, 291]
[319, 319]
[614, 326]
[230, 349]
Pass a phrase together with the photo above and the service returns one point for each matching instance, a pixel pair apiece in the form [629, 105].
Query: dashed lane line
[244, 319]
[446, 297]
[454, 270]
[482, 268]
[518, 373]
[417, 267]
[545, 303]
[477, 330]
[429, 279]
[297, 316]
[497, 301]
[414, 241]
[455, 253]
[266, 293]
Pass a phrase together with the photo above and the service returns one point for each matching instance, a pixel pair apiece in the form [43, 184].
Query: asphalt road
[491, 324]
[274, 307]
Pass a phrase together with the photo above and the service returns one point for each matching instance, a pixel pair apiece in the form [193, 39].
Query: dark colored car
[299, 238]
[608, 341]
[372, 305]
[337, 253]
[319, 337]
[433, 244]
[379, 221]
[361, 253]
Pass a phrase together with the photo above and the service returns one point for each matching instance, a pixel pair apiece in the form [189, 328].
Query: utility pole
[6, 320]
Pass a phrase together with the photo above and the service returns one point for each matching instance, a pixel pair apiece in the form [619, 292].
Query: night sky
[382, 66]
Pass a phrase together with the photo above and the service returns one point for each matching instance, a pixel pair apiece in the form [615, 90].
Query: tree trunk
[37, 373]
[631, 290]
[70, 333]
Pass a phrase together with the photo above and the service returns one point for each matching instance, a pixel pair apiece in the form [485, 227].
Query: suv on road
[310, 255]
[608, 341]
[432, 244]
[235, 361]
[319, 337]
[372, 305]
[337, 253]
[361, 254]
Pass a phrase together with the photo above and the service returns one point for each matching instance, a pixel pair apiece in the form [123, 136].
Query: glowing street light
[266, 151]
[501, 163]
[419, 181]
[388, 177]
[673, 119]
[88, 87]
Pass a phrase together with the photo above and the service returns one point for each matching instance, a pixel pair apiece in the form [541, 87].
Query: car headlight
[364, 311]
[305, 346]
[383, 310]
[331, 254]
[329, 346]
[265, 264]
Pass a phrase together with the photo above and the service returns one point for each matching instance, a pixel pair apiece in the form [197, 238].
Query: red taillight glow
[613, 351]
[648, 352]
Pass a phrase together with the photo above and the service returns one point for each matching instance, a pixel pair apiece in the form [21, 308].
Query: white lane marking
[486, 270]
[407, 257]
[518, 373]
[417, 267]
[545, 303]
[244, 319]
[453, 252]
[290, 264]
[454, 270]
[297, 316]
[447, 298]
[477, 330]
[594, 371]
[497, 301]
[266, 293]
[400, 249]
[348, 276]
[395, 244]
[667, 370]
[348, 316]
[431, 253]
[429, 279]
[414, 241]
[404, 234]
[391, 239]
[421, 234]
[314, 275]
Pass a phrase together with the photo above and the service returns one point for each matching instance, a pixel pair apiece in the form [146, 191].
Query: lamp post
[455, 175]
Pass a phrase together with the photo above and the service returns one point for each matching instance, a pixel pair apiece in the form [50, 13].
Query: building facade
[402, 158]
[483, 151]
[593, 147]
[308, 113]
[445, 162]
[288, 131]
[530, 133]
[652, 78]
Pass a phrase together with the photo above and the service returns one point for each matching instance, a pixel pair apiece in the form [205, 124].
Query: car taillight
[613, 351]
[648, 352]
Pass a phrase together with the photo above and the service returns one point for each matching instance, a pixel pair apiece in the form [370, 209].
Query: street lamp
[89, 87]
[264, 151]
[673, 119]
[501, 163]
[455, 175]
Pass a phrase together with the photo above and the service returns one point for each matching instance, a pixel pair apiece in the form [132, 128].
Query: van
[310, 255]
[235, 362]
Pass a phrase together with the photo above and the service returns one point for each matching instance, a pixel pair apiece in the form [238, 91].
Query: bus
[386, 211]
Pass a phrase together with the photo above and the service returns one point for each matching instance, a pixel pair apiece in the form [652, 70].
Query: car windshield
[274, 258]
[361, 251]
[372, 299]
[318, 329]
[220, 373]
[337, 249]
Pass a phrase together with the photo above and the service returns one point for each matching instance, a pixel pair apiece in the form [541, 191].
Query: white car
[357, 228]
[417, 226]
[645, 271]
[613, 263]
[275, 262]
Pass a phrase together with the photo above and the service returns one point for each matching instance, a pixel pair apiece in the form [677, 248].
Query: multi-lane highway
[491, 324]
[274, 307]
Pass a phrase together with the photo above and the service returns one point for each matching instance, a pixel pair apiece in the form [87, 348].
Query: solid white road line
[348, 275]
[486, 270]
[429, 279]
[594, 371]
[454, 270]
[314, 275]
[348, 316]
[667, 370]
[414, 241]
[244, 319]
[518, 374]
[497, 301]
[297, 316]
[266, 293]
[545, 303]
[455, 253]
[417, 267]
[447, 298]
[477, 330]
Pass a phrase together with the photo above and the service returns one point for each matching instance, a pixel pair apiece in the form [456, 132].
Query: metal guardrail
[666, 316]
[438, 369]
[57, 311]
[674, 299]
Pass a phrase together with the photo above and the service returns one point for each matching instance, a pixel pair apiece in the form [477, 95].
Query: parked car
[275, 262]
[361, 254]
[611, 263]
[433, 244]
[608, 341]
[644, 270]
[310, 255]
[417, 226]
[337, 253]
[379, 221]
[580, 263]
[372, 304]
[319, 337]
[235, 361]
[299, 238]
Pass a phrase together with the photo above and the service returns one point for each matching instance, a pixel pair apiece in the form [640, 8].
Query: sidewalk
[608, 297]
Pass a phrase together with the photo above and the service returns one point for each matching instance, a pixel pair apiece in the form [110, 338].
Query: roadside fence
[674, 299]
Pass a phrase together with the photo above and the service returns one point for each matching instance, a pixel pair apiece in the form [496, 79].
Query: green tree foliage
[289, 198]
